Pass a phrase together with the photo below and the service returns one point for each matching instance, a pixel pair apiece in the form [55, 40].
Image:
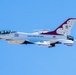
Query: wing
[19, 42]
[50, 43]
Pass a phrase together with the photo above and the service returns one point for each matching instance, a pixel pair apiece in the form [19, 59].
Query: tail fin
[63, 29]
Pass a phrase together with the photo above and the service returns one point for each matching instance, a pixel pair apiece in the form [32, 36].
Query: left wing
[19, 42]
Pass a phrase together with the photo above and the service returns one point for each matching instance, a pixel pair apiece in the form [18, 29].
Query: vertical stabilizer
[63, 29]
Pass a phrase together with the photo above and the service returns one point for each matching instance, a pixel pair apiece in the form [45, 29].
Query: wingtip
[71, 18]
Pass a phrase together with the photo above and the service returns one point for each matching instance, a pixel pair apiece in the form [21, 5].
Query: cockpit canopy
[7, 32]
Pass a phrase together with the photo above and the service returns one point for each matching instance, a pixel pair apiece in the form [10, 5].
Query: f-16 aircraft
[60, 35]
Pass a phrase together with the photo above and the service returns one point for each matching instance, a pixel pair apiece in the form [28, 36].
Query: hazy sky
[28, 16]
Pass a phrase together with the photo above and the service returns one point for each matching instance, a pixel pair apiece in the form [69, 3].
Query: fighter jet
[60, 35]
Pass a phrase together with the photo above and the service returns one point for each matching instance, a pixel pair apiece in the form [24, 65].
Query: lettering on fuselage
[34, 36]
[16, 35]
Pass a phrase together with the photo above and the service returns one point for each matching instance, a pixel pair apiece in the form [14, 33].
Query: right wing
[48, 43]
[52, 43]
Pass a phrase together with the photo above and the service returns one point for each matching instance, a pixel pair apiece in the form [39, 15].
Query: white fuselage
[32, 37]
[35, 38]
